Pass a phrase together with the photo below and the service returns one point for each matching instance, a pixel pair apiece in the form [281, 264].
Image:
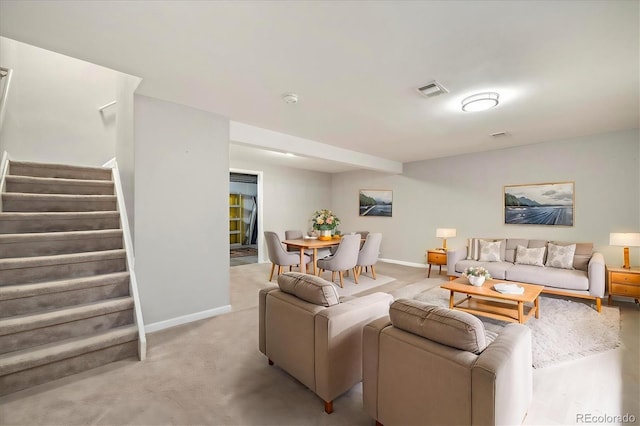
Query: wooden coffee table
[487, 302]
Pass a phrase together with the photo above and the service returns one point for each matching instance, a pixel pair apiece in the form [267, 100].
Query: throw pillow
[473, 252]
[561, 256]
[490, 251]
[530, 256]
[309, 288]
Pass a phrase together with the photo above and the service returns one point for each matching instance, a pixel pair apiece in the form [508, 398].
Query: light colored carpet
[364, 283]
[566, 329]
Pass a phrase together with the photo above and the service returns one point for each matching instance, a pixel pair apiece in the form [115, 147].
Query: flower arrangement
[476, 271]
[324, 220]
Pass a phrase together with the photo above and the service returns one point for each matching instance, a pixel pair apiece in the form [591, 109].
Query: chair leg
[341, 278]
[290, 268]
[273, 267]
[319, 272]
[378, 423]
[355, 275]
[270, 362]
[279, 270]
[373, 271]
[328, 407]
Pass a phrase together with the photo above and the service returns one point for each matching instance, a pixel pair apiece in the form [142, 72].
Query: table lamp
[630, 239]
[445, 233]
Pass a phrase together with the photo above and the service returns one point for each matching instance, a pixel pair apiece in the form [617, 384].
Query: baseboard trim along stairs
[68, 299]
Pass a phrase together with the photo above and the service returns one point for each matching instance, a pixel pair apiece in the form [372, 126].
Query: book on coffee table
[509, 289]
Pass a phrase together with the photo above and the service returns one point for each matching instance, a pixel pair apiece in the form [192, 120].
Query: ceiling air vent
[500, 134]
[432, 89]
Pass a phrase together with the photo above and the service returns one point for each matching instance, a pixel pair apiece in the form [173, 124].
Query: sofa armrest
[453, 257]
[596, 272]
[370, 354]
[262, 303]
[502, 378]
[338, 342]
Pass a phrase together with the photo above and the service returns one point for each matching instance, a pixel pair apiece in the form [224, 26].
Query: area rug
[566, 330]
[243, 252]
[364, 283]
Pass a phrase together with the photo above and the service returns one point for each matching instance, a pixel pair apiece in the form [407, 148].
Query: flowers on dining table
[324, 220]
[477, 271]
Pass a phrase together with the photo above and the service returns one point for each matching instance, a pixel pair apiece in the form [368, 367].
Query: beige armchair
[428, 365]
[307, 331]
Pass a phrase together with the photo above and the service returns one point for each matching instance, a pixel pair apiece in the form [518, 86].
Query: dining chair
[369, 253]
[344, 259]
[279, 256]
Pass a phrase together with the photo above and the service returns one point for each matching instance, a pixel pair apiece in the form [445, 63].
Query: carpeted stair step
[24, 299]
[63, 171]
[50, 243]
[39, 185]
[26, 331]
[31, 367]
[63, 266]
[15, 223]
[18, 202]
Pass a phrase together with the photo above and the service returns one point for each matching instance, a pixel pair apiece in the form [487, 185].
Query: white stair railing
[128, 245]
[5, 82]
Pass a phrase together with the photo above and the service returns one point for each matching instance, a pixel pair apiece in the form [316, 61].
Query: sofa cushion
[490, 251]
[573, 279]
[473, 249]
[530, 256]
[510, 249]
[582, 255]
[452, 328]
[309, 288]
[560, 256]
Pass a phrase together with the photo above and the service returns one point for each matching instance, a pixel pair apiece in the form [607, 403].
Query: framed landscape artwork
[375, 202]
[539, 204]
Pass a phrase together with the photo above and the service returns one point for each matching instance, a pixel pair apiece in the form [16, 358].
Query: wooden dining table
[310, 244]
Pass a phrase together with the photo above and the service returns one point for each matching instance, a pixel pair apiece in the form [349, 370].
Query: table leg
[315, 260]
[429, 274]
[303, 266]
[450, 298]
[536, 303]
[521, 312]
[440, 271]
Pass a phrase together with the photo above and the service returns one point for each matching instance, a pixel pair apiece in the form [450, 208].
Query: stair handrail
[4, 168]
[4, 73]
[128, 245]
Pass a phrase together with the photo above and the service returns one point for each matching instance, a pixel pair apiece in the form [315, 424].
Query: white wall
[181, 210]
[52, 108]
[290, 196]
[466, 192]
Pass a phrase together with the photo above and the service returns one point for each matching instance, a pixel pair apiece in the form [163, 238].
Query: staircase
[65, 300]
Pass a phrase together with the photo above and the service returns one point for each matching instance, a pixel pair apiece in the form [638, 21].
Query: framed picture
[539, 204]
[375, 202]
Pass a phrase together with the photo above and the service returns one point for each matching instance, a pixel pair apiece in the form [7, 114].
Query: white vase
[325, 233]
[476, 281]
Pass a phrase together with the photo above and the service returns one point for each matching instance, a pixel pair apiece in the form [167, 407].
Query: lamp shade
[629, 239]
[445, 232]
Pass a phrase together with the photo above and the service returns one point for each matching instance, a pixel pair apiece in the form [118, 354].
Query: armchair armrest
[262, 303]
[338, 342]
[453, 257]
[596, 272]
[502, 377]
[370, 353]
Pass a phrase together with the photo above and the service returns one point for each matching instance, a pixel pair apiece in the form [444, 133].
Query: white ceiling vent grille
[432, 89]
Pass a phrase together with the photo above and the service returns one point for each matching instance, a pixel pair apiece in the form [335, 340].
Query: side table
[624, 282]
[436, 257]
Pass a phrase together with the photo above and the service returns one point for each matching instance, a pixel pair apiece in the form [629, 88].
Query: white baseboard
[185, 319]
[402, 262]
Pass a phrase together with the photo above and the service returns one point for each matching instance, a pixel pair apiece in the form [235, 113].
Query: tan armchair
[307, 331]
[428, 365]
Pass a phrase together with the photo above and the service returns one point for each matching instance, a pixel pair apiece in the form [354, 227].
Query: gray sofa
[586, 279]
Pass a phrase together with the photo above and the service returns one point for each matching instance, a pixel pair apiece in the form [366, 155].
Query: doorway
[244, 217]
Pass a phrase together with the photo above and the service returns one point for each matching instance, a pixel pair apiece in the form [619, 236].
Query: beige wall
[466, 192]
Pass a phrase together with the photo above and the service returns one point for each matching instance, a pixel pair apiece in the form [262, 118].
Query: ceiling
[563, 69]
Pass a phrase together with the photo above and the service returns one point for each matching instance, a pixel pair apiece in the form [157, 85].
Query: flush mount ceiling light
[480, 102]
[290, 98]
